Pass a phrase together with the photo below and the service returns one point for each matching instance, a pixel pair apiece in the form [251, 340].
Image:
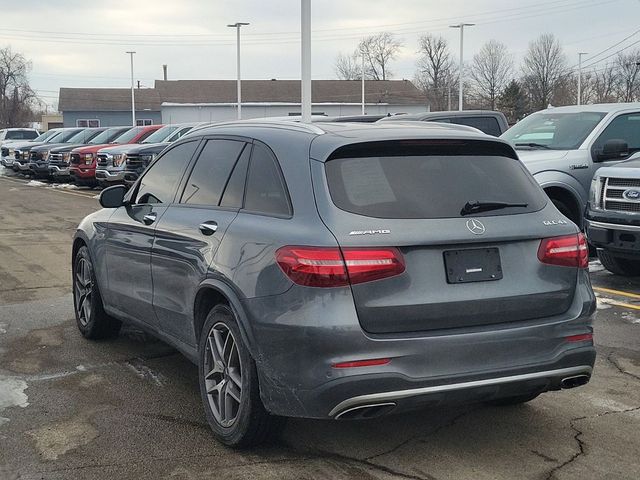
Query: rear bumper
[304, 332]
[619, 238]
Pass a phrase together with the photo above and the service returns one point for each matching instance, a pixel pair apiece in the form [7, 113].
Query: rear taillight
[567, 251]
[332, 267]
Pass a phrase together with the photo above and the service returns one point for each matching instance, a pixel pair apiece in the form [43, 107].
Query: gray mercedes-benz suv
[341, 271]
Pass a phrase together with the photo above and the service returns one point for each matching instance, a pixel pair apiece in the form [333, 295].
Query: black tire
[565, 210]
[251, 423]
[515, 400]
[618, 265]
[92, 320]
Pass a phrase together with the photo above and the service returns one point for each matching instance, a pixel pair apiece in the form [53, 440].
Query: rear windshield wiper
[475, 207]
[534, 145]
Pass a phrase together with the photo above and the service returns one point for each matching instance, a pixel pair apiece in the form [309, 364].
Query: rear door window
[211, 172]
[623, 127]
[417, 183]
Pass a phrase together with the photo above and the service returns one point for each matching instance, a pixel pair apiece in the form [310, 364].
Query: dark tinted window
[234, 192]
[266, 192]
[21, 134]
[430, 186]
[213, 167]
[488, 125]
[624, 127]
[160, 182]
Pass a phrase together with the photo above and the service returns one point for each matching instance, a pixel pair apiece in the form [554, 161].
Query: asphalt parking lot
[129, 407]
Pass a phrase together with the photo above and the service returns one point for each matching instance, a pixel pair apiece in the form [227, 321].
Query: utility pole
[460, 73]
[449, 97]
[305, 61]
[579, 102]
[237, 26]
[363, 73]
[133, 94]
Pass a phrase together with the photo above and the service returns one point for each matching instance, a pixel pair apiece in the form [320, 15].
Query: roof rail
[265, 122]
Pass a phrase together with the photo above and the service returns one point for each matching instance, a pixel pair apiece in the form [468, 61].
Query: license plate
[473, 265]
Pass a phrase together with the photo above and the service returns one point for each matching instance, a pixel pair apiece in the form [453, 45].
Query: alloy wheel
[223, 374]
[83, 288]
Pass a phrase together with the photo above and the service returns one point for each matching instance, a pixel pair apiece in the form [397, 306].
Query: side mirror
[613, 149]
[113, 197]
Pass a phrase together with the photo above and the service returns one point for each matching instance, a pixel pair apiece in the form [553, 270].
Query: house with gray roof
[177, 101]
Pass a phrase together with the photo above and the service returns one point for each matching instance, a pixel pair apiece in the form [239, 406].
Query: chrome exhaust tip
[574, 381]
[362, 412]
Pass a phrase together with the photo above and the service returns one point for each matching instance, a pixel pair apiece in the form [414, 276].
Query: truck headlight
[595, 192]
[66, 156]
[119, 159]
[88, 158]
[45, 154]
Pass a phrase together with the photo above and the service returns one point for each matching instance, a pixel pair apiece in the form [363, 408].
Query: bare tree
[628, 68]
[347, 67]
[378, 51]
[544, 67]
[436, 71]
[604, 84]
[16, 96]
[491, 71]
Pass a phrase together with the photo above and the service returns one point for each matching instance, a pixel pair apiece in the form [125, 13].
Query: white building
[215, 100]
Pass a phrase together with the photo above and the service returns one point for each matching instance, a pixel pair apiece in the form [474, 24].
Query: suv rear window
[423, 182]
[488, 125]
[21, 135]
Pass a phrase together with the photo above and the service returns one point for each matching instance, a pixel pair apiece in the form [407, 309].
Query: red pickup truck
[82, 168]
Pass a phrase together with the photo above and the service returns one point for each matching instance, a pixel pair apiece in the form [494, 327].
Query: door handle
[149, 218]
[208, 228]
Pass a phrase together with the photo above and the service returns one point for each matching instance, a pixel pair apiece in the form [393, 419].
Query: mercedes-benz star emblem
[475, 226]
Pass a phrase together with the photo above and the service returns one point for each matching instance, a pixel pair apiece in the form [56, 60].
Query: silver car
[341, 271]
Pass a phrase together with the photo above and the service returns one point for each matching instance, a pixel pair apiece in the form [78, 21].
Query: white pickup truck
[563, 148]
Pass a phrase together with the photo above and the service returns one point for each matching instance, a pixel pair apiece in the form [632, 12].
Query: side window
[145, 135]
[233, 195]
[266, 191]
[213, 167]
[624, 127]
[161, 180]
[488, 125]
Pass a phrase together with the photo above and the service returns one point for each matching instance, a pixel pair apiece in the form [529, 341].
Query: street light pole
[579, 102]
[363, 72]
[305, 60]
[133, 94]
[237, 26]
[460, 73]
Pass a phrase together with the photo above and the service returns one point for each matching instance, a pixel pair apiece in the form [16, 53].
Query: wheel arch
[567, 190]
[214, 292]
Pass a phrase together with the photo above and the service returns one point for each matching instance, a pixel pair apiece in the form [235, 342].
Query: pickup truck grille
[612, 196]
[103, 160]
[134, 163]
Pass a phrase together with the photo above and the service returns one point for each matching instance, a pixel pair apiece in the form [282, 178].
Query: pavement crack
[618, 367]
[581, 450]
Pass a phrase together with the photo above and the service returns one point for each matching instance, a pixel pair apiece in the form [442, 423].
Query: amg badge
[370, 232]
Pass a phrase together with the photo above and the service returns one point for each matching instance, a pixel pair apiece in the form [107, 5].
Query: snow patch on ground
[603, 303]
[65, 186]
[12, 395]
[595, 266]
[631, 318]
[36, 183]
[3, 328]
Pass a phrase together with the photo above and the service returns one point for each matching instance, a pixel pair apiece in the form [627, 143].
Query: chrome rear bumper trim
[400, 394]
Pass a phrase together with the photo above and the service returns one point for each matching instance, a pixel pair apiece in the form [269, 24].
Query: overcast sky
[76, 43]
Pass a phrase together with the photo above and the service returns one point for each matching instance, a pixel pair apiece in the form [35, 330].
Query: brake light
[567, 251]
[583, 337]
[332, 267]
[376, 362]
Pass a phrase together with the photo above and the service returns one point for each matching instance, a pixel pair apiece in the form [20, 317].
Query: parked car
[17, 134]
[309, 272]
[39, 156]
[564, 147]
[59, 157]
[22, 152]
[82, 168]
[612, 217]
[112, 161]
[7, 151]
[487, 121]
